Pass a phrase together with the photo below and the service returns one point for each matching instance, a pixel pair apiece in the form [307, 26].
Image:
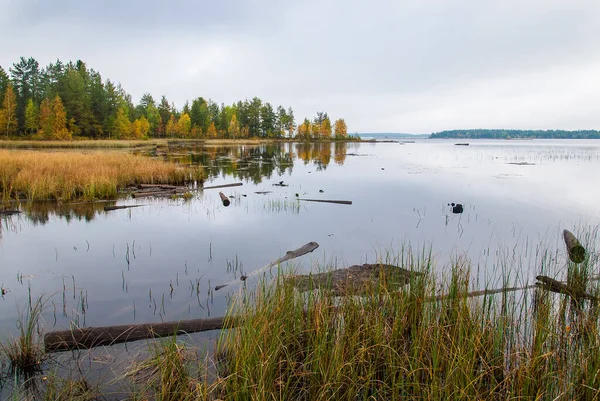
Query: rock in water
[458, 208]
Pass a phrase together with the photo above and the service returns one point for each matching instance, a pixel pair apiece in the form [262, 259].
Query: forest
[517, 134]
[64, 101]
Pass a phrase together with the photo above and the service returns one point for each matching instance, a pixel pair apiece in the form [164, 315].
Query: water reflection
[254, 163]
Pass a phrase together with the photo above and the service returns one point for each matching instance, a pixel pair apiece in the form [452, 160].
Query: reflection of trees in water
[255, 162]
[40, 212]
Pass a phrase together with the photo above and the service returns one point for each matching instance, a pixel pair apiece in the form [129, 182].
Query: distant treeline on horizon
[516, 133]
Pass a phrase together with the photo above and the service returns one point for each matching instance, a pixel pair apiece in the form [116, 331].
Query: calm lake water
[160, 261]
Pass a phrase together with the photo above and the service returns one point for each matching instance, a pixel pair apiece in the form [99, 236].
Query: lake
[161, 261]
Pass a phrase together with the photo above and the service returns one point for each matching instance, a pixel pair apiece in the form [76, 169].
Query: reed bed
[37, 175]
[394, 345]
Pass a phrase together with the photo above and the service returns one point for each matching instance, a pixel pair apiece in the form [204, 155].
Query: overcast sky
[385, 66]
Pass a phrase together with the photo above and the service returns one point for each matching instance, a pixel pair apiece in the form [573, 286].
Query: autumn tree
[45, 120]
[140, 128]
[184, 124]
[31, 117]
[122, 125]
[59, 121]
[8, 113]
[171, 127]
[212, 131]
[234, 127]
[340, 128]
[304, 129]
[326, 128]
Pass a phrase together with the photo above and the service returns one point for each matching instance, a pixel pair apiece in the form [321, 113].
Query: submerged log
[90, 337]
[237, 184]
[109, 208]
[289, 255]
[338, 202]
[574, 247]
[224, 199]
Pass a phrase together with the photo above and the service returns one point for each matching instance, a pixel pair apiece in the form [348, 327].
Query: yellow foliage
[340, 128]
[140, 128]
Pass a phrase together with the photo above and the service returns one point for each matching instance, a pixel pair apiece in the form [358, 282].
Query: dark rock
[458, 208]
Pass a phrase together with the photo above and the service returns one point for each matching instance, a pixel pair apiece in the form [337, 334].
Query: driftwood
[263, 192]
[157, 193]
[109, 208]
[338, 202]
[224, 199]
[462, 144]
[289, 255]
[574, 247]
[237, 184]
[9, 212]
[161, 186]
[553, 285]
[91, 337]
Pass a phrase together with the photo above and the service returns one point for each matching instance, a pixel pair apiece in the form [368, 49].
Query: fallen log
[163, 186]
[109, 208]
[338, 202]
[303, 250]
[574, 247]
[237, 184]
[156, 193]
[224, 199]
[90, 337]
[9, 212]
[553, 285]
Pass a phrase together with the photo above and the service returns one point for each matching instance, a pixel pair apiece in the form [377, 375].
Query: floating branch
[109, 208]
[338, 202]
[237, 184]
[303, 250]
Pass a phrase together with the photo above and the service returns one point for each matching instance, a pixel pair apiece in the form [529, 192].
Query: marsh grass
[37, 175]
[413, 345]
[24, 353]
[169, 374]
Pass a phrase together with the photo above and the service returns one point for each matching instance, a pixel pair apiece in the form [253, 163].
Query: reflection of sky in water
[400, 193]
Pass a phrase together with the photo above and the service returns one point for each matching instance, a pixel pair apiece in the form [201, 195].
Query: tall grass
[24, 353]
[36, 175]
[413, 345]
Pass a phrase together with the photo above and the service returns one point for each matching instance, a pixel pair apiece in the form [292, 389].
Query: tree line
[515, 133]
[66, 100]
